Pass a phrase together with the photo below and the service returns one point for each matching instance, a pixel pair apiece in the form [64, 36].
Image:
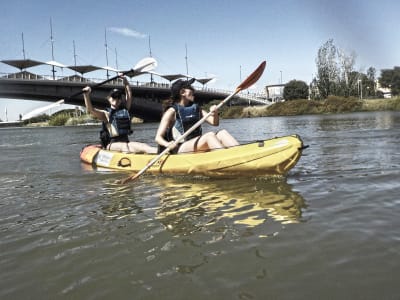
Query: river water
[330, 230]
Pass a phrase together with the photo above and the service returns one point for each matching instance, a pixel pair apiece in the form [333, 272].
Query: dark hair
[178, 85]
[116, 94]
[167, 103]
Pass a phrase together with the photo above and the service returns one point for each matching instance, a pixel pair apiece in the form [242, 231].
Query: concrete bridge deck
[148, 96]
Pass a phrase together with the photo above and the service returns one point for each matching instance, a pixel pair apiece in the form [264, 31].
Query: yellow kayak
[269, 157]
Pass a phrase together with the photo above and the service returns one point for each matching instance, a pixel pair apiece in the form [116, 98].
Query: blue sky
[227, 39]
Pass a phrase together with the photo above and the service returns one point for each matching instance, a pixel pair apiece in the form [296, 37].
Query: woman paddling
[182, 115]
[117, 121]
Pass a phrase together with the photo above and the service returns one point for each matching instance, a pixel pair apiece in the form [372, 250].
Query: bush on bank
[38, 119]
[382, 104]
[333, 104]
[59, 119]
[84, 119]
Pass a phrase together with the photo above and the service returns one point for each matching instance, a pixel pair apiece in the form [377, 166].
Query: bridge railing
[256, 97]
[259, 98]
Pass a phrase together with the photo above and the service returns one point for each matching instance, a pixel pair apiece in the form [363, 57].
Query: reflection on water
[191, 205]
[357, 122]
[119, 204]
[122, 201]
[187, 205]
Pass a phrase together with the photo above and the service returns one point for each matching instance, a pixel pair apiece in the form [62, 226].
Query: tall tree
[371, 81]
[354, 83]
[327, 69]
[346, 67]
[371, 73]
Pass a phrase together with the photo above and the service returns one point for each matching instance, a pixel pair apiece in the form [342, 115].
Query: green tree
[327, 69]
[336, 75]
[314, 92]
[354, 84]
[370, 82]
[390, 78]
[295, 89]
[345, 68]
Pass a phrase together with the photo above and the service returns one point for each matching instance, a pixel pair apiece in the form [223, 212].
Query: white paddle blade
[146, 64]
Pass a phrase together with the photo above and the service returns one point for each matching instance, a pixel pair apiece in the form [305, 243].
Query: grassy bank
[60, 119]
[288, 108]
[328, 106]
[66, 119]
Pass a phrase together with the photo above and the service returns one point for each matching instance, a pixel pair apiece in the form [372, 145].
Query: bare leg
[137, 147]
[118, 146]
[207, 141]
[226, 139]
[132, 147]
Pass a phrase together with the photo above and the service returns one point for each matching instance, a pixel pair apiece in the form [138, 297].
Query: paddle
[145, 65]
[249, 81]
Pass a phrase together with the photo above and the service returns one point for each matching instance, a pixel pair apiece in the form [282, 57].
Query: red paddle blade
[253, 77]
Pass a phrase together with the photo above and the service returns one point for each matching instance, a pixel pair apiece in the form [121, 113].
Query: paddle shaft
[101, 83]
[143, 66]
[244, 85]
[177, 141]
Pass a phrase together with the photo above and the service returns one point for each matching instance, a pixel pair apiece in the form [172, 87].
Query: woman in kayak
[117, 121]
[182, 115]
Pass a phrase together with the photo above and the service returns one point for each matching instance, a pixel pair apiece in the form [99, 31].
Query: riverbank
[11, 124]
[309, 107]
[331, 105]
[66, 120]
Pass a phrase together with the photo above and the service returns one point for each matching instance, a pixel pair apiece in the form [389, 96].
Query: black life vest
[186, 117]
[117, 128]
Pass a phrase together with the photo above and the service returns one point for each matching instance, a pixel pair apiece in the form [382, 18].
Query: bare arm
[128, 93]
[213, 119]
[166, 121]
[99, 114]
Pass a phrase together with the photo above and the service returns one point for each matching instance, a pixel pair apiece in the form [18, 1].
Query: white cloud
[128, 32]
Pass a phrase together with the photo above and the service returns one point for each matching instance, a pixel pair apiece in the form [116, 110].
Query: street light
[360, 88]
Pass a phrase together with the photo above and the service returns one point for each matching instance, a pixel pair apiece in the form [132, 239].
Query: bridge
[148, 96]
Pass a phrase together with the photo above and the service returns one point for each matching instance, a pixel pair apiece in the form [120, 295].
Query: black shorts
[174, 151]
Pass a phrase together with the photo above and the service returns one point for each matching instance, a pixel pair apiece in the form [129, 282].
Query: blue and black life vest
[117, 128]
[186, 117]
